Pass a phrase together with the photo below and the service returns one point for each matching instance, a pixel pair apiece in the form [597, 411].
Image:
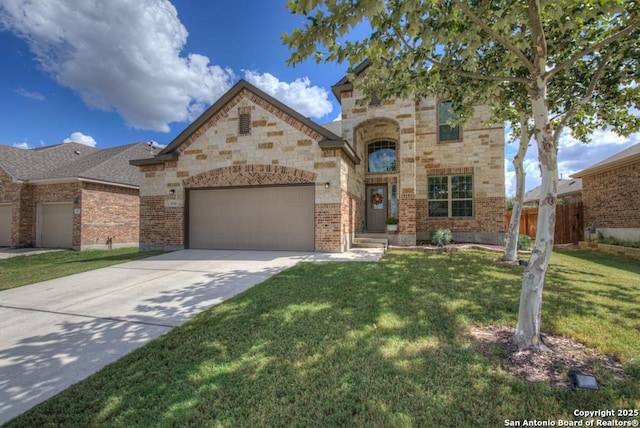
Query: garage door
[56, 226]
[5, 224]
[255, 218]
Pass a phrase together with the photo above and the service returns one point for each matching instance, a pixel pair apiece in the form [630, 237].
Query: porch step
[370, 242]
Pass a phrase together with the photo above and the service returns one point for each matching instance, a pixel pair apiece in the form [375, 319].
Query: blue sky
[107, 73]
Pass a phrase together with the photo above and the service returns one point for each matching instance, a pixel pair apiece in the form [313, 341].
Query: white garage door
[56, 226]
[6, 213]
[255, 218]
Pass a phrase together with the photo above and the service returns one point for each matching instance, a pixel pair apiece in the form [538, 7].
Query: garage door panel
[6, 215]
[265, 218]
[56, 225]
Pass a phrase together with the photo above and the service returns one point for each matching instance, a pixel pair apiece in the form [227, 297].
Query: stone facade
[104, 211]
[413, 126]
[280, 147]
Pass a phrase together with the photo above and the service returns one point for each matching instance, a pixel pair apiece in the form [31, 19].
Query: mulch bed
[551, 366]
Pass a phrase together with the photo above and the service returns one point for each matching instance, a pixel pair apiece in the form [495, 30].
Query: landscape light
[583, 381]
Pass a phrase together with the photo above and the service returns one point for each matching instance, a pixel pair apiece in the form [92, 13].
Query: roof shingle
[75, 161]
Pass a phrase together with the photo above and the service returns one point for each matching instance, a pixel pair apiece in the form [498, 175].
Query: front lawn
[365, 345]
[23, 270]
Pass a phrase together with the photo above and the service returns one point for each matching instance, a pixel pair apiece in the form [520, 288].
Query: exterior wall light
[172, 191]
[326, 185]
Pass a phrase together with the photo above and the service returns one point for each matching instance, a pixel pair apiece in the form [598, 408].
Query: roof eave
[156, 160]
[226, 98]
[344, 84]
[341, 145]
[607, 166]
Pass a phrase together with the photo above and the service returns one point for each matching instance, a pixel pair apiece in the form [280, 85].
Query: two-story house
[252, 173]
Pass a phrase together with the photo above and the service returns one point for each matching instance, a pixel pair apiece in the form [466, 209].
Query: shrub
[391, 220]
[441, 236]
[610, 240]
[524, 242]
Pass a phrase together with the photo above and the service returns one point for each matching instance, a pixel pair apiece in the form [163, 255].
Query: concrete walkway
[58, 332]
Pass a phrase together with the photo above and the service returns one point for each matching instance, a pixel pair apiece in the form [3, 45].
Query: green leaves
[482, 52]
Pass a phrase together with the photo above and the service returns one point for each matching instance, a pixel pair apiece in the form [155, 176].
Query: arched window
[381, 156]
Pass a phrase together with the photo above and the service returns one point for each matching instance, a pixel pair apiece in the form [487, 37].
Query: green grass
[366, 345]
[23, 270]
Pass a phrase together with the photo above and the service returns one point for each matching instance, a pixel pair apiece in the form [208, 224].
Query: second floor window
[381, 156]
[445, 115]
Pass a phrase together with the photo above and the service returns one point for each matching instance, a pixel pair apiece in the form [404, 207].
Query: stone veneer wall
[414, 127]
[480, 153]
[278, 151]
[611, 201]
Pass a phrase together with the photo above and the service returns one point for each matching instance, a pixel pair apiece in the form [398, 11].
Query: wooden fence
[569, 223]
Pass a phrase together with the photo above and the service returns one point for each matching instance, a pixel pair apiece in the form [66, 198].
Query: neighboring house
[70, 196]
[252, 173]
[610, 190]
[569, 192]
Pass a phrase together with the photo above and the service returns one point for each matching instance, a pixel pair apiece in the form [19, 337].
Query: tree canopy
[563, 63]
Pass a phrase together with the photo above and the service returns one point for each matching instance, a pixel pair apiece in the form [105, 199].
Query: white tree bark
[528, 328]
[511, 246]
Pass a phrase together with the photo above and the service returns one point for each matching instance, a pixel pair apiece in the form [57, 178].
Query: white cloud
[311, 101]
[509, 178]
[573, 156]
[120, 55]
[79, 137]
[22, 145]
[33, 95]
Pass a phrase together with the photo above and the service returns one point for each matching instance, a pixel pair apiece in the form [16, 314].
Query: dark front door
[376, 208]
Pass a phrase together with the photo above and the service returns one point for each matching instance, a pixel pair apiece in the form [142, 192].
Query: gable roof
[328, 140]
[71, 161]
[625, 157]
[345, 84]
[565, 188]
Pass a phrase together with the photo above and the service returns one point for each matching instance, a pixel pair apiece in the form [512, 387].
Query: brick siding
[105, 211]
[328, 227]
[611, 197]
[109, 211]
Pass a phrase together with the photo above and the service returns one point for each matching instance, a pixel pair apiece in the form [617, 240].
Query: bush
[391, 220]
[524, 242]
[610, 240]
[441, 236]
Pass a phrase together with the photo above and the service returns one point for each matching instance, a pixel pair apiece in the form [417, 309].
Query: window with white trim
[450, 196]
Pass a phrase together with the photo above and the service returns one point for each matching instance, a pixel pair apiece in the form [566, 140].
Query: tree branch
[592, 86]
[461, 73]
[591, 49]
[500, 39]
[478, 76]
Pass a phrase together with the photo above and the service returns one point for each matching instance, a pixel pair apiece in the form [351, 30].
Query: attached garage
[252, 218]
[56, 226]
[6, 213]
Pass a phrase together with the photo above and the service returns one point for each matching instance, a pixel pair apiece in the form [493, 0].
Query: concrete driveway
[56, 333]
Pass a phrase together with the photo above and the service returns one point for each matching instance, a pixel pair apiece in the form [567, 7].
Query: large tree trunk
[511, 247]
[528, 328]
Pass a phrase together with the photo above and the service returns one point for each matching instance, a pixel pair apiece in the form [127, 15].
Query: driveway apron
[56, 333]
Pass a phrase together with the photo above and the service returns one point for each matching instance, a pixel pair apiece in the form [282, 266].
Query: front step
[370, 243]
